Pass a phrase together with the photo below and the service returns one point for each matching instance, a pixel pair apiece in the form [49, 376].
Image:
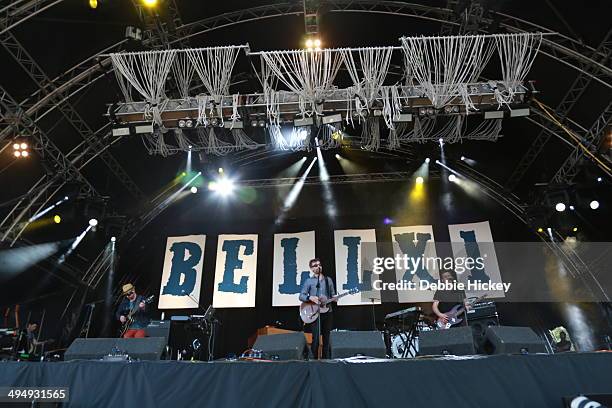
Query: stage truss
[588, 61]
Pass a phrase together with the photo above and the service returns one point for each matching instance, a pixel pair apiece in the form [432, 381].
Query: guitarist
[445, 300]
[314, 287]
[133, 302]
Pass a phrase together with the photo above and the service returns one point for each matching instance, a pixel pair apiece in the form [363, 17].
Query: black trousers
[326, 326]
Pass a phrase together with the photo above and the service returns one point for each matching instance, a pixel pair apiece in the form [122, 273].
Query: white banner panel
[349, 274]
[236, 271]
[182, 272]
[416, 245]
[475, 241]
[292, 252]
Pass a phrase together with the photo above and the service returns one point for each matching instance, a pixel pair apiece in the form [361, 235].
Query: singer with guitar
[133, 305]
[313, 289]
[446, 300]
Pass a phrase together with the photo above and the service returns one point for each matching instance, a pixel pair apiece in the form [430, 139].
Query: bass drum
[399, 342]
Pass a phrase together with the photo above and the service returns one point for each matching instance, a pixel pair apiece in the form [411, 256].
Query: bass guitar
[309, 311]
[130, 316]
[454, 313]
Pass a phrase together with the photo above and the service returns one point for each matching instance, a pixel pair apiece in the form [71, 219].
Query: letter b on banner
[182, 273]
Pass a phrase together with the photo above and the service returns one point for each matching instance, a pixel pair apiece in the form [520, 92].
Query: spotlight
[540, 230]
[190, 147]
[317, 43]
[571, 207]
[93, 4]
[57, 219]
[575, 229]
[181, 123]
[16, 146]
[560, 207]
[24, 153]
[17, 153]
[594, 205]
[93, 222]
[419, 180]
[149, 3]
[24, 146]
[441, 140]
[599, 179]
[225, 186]
[387, 221]
[452, 178]
[338, 156]
[261, 123]
[113, 239]
[462, 158]
[427, 160]
[220, 170]
[194, 189]
[309, 43]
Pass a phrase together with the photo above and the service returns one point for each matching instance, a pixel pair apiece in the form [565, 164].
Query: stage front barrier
[501, 381]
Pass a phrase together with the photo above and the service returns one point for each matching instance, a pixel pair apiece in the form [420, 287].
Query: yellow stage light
[93, 4]
[149, 3]
[57, 219]
[540, 230]
[419, 180]
[317, 43]
[575, 229]
[309, 43]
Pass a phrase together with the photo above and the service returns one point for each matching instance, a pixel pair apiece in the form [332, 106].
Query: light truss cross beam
[25, 60]
[591, 140]
[59, 168]
[564, 108]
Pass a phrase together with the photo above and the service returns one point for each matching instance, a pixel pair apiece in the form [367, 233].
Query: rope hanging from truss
[147, 73]
[369, 75]
[309, 74]
[441, 65]
[516, 54]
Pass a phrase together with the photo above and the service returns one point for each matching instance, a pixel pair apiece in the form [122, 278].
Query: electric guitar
[453, 314]
[130, 317]
[309, 311]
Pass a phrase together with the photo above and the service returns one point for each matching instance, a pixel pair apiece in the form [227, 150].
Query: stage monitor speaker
[479, 329]
[147, 348]
[345, 344]
[509, 340]
[289, 346]
[159, 328]
[456, 341]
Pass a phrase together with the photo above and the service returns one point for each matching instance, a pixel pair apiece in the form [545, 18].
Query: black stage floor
[495, 381]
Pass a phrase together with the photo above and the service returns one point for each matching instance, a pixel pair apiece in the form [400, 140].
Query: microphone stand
[319, 341]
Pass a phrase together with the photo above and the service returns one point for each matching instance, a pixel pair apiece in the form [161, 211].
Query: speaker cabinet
[456, 341]
[509, 340]
[290, 346]
[148, 348]
[479, 330]
[345, 344]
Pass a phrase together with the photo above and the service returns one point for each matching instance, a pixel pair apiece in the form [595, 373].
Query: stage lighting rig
[20, 150]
